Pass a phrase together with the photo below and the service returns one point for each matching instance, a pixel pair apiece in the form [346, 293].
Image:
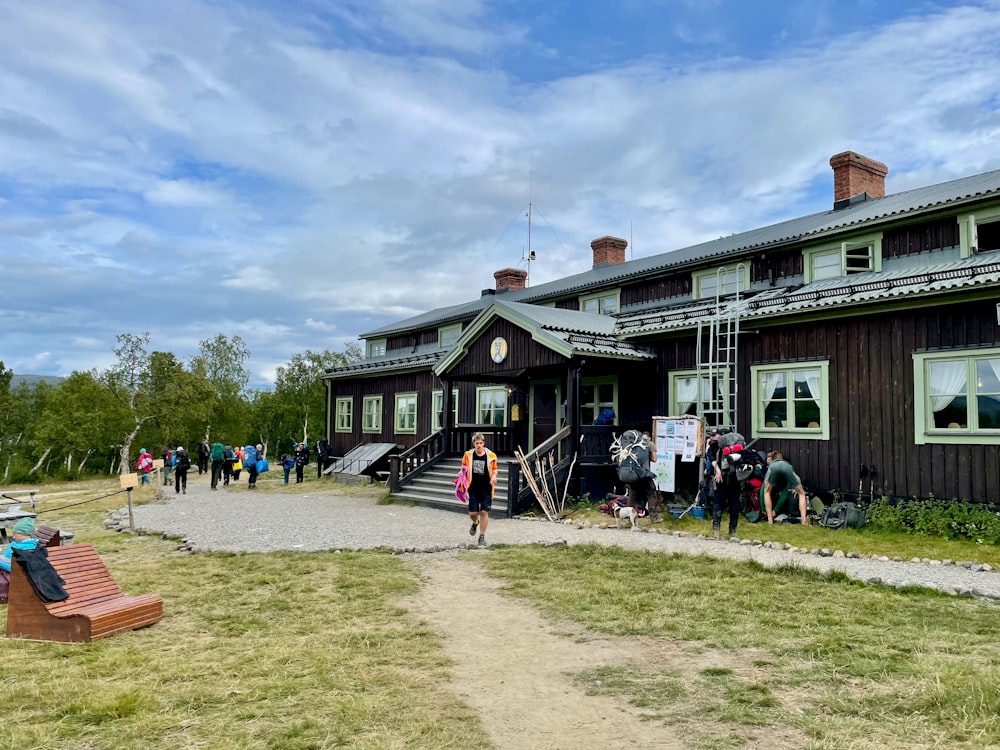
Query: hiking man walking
[480, 466]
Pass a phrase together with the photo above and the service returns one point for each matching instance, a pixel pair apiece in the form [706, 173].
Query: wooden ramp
[96, 607]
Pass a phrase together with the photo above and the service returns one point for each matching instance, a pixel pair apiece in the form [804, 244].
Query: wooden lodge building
[864, 335]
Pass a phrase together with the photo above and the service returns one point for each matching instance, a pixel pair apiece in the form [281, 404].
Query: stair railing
[414, 461]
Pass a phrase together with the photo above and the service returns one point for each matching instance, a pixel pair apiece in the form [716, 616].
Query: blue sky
[300, 172]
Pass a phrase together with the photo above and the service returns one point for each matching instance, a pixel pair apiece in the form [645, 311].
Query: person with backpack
[238, 463]
[253, 457]
[218, 455]
[301, 457]
[182, 462]
[144, 465]
[779, 484]
[228, 460]
[203, 453]
[722, 484]
[168, 466]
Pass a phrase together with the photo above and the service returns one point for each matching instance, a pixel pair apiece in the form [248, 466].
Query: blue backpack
[249, 456]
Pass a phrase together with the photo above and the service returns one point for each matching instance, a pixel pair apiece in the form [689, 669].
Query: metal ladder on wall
[718, 358]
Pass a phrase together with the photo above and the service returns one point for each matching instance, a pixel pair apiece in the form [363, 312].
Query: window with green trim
[979, 232]
[791, 400]
[685, 399]
[957, 396]
[375, 348]
[345, 415]
[448, 335]
[492, 406]
[857, 255]
[602, 303]
[721, 280]
[406, 413]
[371, 414]
[437, 409]
[597, 394]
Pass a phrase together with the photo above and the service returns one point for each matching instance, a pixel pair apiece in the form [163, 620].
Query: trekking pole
[871, 486]
[861, 479]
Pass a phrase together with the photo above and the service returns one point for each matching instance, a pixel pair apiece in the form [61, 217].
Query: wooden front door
[544, 411]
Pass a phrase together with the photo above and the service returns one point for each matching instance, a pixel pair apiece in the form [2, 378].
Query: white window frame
[344, 416]
[757, 409]
[924, 432]
[366, 425]
[374, 348]
[704, 283]
[449, 335]
[721, 377]
[597, 404]
[404, 421]
[968, 233]
[607, 302]
[479, 403]
[437, 408]
[867, 246]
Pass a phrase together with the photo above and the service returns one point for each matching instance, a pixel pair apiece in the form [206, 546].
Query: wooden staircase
[434, 488]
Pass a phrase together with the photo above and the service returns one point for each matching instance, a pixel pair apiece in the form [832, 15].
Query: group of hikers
[226, 463]
[736, 478]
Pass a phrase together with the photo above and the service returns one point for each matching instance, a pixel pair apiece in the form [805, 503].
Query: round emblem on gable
[498, 349]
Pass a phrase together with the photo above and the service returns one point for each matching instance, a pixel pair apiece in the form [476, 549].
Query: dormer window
[448, 335]
[602, 303]
[721, 280]
[374, 348]
[844, 258]
[979, 232]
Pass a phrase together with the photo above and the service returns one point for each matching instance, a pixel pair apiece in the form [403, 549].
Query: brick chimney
[608, 251]
[510, 279]
[854, 174]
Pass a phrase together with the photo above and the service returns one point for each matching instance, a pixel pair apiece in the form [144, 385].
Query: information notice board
[675, 437]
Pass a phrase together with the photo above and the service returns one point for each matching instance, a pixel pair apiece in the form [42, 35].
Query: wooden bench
[96, 607]
[48, 536]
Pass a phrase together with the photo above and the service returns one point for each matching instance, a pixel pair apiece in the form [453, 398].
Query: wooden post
[513, 488]
[394, 474]
[131, 516]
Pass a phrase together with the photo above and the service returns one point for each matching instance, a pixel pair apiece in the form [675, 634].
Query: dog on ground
[626, 513]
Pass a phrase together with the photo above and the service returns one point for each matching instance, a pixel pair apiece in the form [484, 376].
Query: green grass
[895, 669]
[312, 650]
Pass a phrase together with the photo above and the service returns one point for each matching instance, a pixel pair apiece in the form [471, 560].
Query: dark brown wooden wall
[779, 265]
[871, 390]
[656, 289]
[523, 353]
[871, 397]
[920, 238]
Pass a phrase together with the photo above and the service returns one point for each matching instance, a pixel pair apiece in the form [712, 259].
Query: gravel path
[236, 520]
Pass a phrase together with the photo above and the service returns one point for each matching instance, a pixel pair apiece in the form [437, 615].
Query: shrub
[951, 519]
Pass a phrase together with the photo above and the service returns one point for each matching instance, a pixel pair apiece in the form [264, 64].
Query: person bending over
[779, 483]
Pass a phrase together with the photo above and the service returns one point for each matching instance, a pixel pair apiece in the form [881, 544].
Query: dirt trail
[515, 669]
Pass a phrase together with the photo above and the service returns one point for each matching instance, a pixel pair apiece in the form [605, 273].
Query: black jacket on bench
[44, 579]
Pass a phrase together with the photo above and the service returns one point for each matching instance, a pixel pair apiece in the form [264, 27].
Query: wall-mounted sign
[498, 349]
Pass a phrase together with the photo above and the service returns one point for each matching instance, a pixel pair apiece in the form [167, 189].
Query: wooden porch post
[447, 406]
[573, 401]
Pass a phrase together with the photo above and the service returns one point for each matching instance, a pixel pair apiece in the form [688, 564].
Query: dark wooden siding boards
[421, 383]
[522, 353]
[871, 397]
[651, 290]
[920, 238]
[777, 265]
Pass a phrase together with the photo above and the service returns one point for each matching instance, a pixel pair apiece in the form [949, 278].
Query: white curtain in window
[995, 366]
[947, 381]
[687, 392]
[769, 384]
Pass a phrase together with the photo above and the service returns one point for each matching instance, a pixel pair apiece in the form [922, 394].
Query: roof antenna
[529, 255]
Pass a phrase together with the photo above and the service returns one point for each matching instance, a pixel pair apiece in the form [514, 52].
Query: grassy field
[312, 650]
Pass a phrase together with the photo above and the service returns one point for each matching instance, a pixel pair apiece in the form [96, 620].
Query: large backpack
[183, 460]
[630, 452]
[218, 453]
[249, 456]
[842, 515]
